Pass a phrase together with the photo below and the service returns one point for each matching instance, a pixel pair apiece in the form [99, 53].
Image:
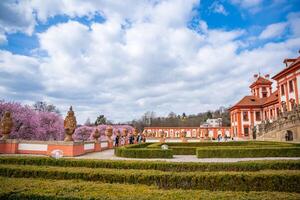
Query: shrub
[68, 189]
[288, 181]
[157, 165]
[240, 152]
[143, 153]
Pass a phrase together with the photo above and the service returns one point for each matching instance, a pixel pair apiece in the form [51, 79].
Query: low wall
[69, 149]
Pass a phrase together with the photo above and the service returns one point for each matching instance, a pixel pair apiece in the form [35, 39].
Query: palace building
[191, 132]
[265, 104]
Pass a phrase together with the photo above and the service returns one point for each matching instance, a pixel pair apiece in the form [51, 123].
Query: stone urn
[6, 125]
[109, 132]
[96, 135]
[70, 125]
[183, 136]
[162, 138]
[135, 132]
[124, 132]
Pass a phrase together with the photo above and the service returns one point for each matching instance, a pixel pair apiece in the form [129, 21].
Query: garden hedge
[247, 152]
[279, 180]
[158, 165]
[143, 153]
[33, 189]
[140, 151]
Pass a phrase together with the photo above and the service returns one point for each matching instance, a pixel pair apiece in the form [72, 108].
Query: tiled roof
[291, 67]
[261, 81]
[273, 97]
[253, 101]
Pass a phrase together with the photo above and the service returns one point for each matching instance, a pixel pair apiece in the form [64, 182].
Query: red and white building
[191, 132]
[265, 103]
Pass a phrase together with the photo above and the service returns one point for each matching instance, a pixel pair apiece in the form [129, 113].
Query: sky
[122, 58]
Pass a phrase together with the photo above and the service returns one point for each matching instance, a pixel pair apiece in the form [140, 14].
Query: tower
[262, 86]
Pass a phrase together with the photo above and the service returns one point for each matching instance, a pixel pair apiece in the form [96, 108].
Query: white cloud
[273, 30]
[247, 3]
[156, 63]
[3, 39]
[16, 16]
[217, 7]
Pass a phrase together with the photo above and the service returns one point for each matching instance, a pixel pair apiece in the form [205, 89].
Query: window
[264, 94]
[282, 90]
[245, 116]
[291, 86]
[246, 131]
[264, 89]
[257, 116]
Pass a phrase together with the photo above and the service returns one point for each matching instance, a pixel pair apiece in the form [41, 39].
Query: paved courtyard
[109, 155]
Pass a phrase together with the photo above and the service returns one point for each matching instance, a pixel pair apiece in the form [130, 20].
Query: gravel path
[109, 155]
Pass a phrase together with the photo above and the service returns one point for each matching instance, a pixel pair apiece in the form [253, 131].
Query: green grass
[21, 188]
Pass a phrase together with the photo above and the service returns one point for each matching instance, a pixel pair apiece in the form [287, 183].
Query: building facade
[265, 104]
[191, 132]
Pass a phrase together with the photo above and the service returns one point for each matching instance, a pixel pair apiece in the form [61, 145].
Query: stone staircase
[285, 128]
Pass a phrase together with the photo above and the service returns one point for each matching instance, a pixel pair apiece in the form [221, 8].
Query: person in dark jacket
[117, 141]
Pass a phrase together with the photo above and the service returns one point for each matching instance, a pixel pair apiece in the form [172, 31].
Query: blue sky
[123, 58]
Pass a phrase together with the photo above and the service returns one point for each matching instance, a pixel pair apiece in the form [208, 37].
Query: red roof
[261, 81]
[253, 101]
[292, 67]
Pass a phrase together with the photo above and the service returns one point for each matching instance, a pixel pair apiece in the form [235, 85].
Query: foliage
[174, 120]
[247, 152]
[100, 120]
[157, 165]
[33, 125]
[44, 107]
[84, 133]
[22, 188]
[279, 180]
[143, 153]
[140, 151]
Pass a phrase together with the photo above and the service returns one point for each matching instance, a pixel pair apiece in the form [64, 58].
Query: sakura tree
[33, 125]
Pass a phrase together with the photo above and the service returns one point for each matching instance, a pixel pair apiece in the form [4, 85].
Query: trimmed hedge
[248, 152]
[143, 153]
[183, 150]
[189, 148]
[288, 181]
[229, 143]
[20, 188]
[158, 165]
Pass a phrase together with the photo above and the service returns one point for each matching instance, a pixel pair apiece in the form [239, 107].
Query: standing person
[139, 138]
[122, 140]
[144, 138]
[131, 139]
[117, 141]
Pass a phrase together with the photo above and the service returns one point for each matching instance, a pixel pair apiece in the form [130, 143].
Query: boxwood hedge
[248, 152]
[158, 165]
[286, 180]
[21, 188]
[143, 153]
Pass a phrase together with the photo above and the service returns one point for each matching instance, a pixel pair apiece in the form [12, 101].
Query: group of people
[120, 140]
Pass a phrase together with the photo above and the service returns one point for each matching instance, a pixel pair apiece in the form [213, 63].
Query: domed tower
[262, 86]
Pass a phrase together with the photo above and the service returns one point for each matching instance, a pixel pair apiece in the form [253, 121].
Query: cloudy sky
[122, 58]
